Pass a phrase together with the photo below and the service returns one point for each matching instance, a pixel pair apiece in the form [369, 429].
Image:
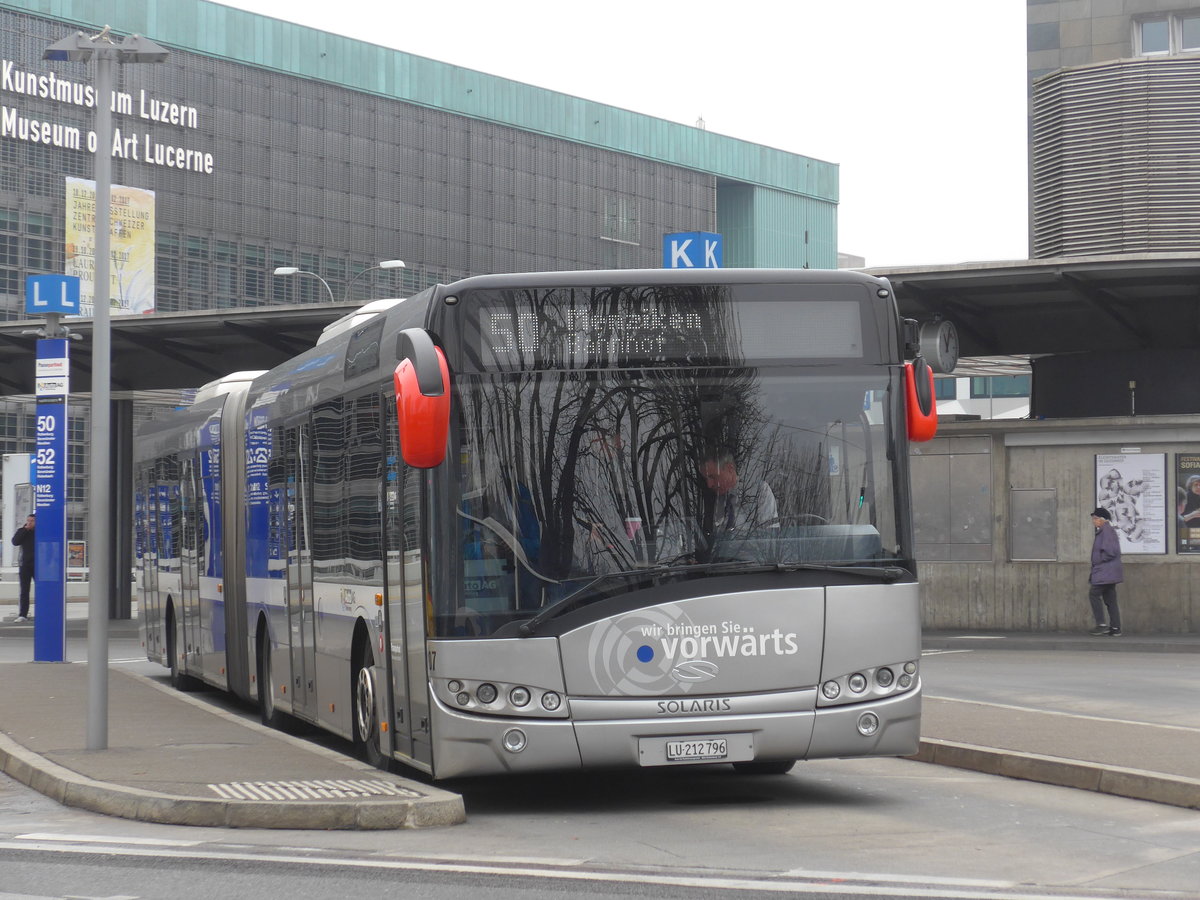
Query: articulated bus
[558, 521]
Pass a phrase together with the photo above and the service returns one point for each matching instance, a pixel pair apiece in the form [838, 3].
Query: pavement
[1128, 759]
[171, 756]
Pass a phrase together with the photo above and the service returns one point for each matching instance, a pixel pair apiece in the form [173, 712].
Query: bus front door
[189, 571]
[301, 619]
[406, 601]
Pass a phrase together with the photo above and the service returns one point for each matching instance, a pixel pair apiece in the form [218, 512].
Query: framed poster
[76, 560]
[1132, 487]
[1187, 503]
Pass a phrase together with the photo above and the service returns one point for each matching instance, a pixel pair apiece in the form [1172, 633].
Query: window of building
[1189, 33]
[253, 256]
[1162, 35]
[1001, 386]
[945, 388]
[226, 277]
[8, 250]
[9, 221]
[1154, 37]
[254, 283]
[167, 271]
[197, 247]
[39, 255]
[39, 223]
[197, 276]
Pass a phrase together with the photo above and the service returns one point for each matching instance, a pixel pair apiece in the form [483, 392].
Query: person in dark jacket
[24, 538]
[1107, 573]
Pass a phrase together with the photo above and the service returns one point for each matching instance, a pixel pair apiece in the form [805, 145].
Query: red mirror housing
[422, 381]
[919, 400]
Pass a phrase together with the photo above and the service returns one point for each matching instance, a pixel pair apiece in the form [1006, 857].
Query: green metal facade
[775, 208]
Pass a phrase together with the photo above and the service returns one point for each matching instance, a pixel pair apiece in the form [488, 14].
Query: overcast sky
[920, 102]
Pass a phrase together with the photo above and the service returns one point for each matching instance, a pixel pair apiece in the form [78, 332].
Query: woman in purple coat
[1107, 573]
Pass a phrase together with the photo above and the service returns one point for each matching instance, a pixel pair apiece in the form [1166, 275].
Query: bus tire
[180, 680]
[764, 767]
[366, 728]
[268, 713]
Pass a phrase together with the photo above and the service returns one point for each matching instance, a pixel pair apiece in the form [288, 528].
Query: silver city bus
[559, 520]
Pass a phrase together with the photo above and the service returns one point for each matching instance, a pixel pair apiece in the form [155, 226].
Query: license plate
[695, 750]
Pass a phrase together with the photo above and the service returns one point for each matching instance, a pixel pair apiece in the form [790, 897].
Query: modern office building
[1114, 126]
[261, 144]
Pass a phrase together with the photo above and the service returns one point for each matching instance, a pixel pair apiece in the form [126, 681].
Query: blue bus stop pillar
[51, 296]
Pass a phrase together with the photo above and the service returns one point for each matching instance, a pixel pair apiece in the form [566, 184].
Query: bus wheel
[268, 713]
[366, 728]
[764, 767]
[179, 679]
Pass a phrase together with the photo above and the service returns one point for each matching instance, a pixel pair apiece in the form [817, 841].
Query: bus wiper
[527, 629]
[883, 573]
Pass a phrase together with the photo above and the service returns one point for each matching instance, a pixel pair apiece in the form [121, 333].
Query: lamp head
[78, 47]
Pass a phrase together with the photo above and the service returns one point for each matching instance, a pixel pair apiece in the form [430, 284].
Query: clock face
[939, 345]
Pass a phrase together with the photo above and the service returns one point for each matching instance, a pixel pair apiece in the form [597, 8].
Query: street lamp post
[107, 50]
[293, 270]
[386, 264]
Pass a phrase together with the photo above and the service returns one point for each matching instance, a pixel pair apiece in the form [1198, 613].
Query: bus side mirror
[919, 400]
[422, 381]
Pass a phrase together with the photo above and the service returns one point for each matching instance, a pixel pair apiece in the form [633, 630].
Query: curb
[1135, 784]
[72, 789]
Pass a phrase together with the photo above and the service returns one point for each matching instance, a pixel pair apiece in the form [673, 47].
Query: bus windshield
[568, 476]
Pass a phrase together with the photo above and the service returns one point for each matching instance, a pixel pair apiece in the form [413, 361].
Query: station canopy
[173, 350]
[1008, 312]
[1005, 312]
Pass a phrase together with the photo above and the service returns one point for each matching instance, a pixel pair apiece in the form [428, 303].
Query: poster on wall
[1132, 487]
[131, 246]
[1187, 503]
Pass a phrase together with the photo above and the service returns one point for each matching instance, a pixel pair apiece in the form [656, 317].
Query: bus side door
[298, 528]
[189, 568]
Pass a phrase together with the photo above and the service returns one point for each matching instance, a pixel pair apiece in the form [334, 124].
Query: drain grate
[310, 790]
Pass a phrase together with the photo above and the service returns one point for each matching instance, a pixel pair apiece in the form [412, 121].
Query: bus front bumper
[484, 745]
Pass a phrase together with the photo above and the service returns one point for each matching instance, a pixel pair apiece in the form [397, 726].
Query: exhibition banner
[131, 268]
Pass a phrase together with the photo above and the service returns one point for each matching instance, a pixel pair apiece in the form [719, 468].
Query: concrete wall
[968, 575]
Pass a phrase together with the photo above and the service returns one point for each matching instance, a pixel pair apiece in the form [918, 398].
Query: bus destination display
[564, 327]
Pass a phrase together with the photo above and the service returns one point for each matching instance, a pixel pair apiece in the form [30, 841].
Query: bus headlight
[518, 696]
[831, 689]
[551, 701]
[884, 677]
[857, 682]
[487, 693]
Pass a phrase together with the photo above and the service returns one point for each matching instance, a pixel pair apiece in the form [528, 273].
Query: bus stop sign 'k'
[692, 250]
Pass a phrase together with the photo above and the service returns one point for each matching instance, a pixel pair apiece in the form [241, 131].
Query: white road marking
[1069, 715]
[881, 885]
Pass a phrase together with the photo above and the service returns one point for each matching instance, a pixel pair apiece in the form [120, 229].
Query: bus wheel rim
[364, 707]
